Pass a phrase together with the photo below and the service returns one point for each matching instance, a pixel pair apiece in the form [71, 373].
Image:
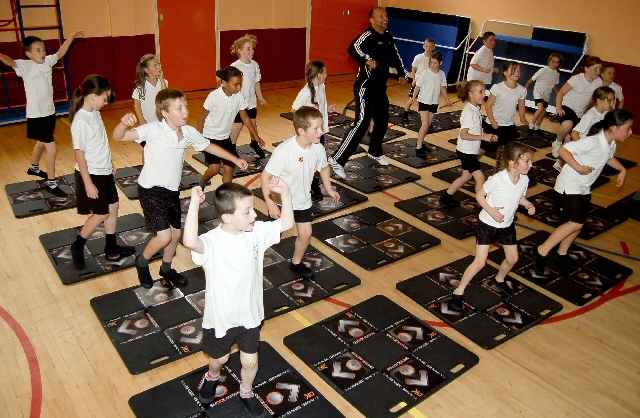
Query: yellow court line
[115, 164]
[300, 318]
[416, 414]
[65, 120]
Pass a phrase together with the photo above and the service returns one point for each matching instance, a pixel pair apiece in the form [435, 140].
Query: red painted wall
[627, 76]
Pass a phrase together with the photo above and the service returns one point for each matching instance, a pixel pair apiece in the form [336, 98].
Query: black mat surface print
[367, 176]
[627, 206]
[405, 152]
[30, 198]
[256, 164]
[441, 121]
[342, 130]
[335, 119]
[127, 179]
[489, 318]
[380, 358]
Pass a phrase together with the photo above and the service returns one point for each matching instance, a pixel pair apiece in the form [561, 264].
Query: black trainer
[456, 302]
[144, 275]
[119, 252]
[316, 192]
[566, 260]
[253, 406]
[56, 191]
[504, 288]
[539, 261]
[256, 147]
[447, 200]
[207, 389]
[77, 256]
[405, 117]
[302, 270]
[41, 174]
[174, 277]
[422, 153]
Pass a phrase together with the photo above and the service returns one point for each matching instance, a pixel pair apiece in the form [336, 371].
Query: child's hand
[197, 195]
[243, 164]
[449, 104]
[262, 101]
[495, 70]
[335, 196]
[92, 190]
[495, 214]
[495, 125]
[559, 112]
[332, 109]
[584, 170]
[260, 141]
[277, 185]
[524, 121]
[621, 177]
[77, 34]
[531, 210]
[129, 120]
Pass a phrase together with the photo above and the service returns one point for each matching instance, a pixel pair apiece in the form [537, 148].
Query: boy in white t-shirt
[295, 161]
[481, 66]
[41, 112]
[420, 63]
[159, 181]
[232, 258]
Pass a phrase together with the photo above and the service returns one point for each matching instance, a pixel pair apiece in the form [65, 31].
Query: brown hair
[589, 62]
[437, 55]
[93, 84]
[464, 88]
[239, 43]
[313, 68]
[510, 66]
[513, 151]
[141, 76]
[556, 55]
[226, 196]
[302, 117]
[165, 97]
[601, 93]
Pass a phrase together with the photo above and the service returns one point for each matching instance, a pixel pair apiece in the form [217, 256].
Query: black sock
[79, 243]
[165, 267]
[143, 262]
[111, 242]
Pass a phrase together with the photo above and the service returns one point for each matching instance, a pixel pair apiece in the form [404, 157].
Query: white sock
[536, 127]
[531, 126]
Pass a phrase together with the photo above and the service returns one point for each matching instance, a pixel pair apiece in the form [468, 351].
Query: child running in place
[295, 161]
[468, 144]
[149, 81]
[574, 97]
[501, 107]
[231, 256]
[314, 94]
[546, 79]
[217, 119]
[96, 191]
[608, 74]
[499, 197]
[431, 84]
[159, 181]
[41, 112]
[420, 63]
[585, 160]
[244, 49]
[481, 66]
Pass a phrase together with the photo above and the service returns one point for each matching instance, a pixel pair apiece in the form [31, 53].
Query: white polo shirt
[501, 192]
[38, 85]
[484, 58]
[421, 63]
[588, 120]
[504, 108]
[471, 119]
[222, 112]
[89, 135]
[250, 76]
[617, 89]
[304, 99]
[546, 78]
[579, 96]
[430, 84]
[148, 104]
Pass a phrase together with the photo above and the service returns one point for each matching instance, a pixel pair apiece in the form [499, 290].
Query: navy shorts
[107, 194]
[487, 234]
[469, 161]
[161, 207]
[569, 114]
[505, 135]
[545, 104]
[253, 113]
[423, 107]
[227, 145]
[41, 129]
[576, 207]
[303, 216]
[247, 340]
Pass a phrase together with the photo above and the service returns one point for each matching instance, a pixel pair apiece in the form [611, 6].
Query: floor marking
[452, 103]
[300, 318]
[390, 195]
[625, 248]
[247, 184]
[416, 414]
[423, 186]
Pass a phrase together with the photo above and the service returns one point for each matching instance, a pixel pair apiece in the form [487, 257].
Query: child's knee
[175, 234]
[164, 237]
[221, 361]
[512, 259]
[250, 364]
[479, 263]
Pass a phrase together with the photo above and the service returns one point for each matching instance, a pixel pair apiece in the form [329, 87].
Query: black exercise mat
[256, 164]
[596, 274]
[331, 145]
[152, 327]
[536, 139]
[627, 206]
[457, 222]
[405, 152]
[549, 211]
[608, 170]
[441, 121]
[380, 358]
[127, 179]
[489, 318]
[451, 174]
[131, 230]
[373, 238]
[29, 198]
[366, 175]
[341, 132]
[281, 389]
[543, 172]
[335, 118]
[327, 206]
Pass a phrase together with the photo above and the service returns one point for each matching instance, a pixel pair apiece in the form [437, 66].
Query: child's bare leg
[459, 182]
[478, 263]
[478, 175]
[212, 170]
[227, 175]
[564, 130]
[539, 115]
[157, 243]
[91, 224]
[302, 241]
[565, 234]
[510, 260]
[424, 128]
[216, 364]
[249, 369]
[50, 159]
[235, 131]
[407, 107]
[170, 248]
[38, 149]
[111, 222]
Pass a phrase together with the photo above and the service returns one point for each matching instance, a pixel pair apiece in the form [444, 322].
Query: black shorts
[469, 161]
[303, 216]
[569, 114]
[161, 207]
[576, 207]
[227, 145]
[247, 340]
[487, 234]
[253, 113]
[545, 104]
[423, 107]
[107, 194]
[143, 143]
[41, 129]
[505, 135]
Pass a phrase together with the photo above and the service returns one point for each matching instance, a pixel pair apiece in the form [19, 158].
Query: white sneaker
[337, 168]
[380, 160]
[558, 165]
[555, 148]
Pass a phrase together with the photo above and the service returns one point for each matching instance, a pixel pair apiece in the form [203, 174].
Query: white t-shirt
[304, 99]
[148, 104]
[546, 78]
[617, 88]
[250, 76]
[471, 119]
[430, 84]
[296, 166]
[38, 85]
[580, 95]
[504, 108]
[233, 270]
[501, 192]
[484, 58]
[421, 63]
[164, 154]
[222, 112]
[592, 151]
[588, 120]
[89, 135]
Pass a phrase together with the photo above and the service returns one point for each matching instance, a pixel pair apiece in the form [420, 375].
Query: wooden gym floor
[56, 361]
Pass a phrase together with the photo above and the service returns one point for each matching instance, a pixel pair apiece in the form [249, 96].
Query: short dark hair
[372, 11]
[228, 73]
[487, 34]
[302, 117]
[164, 98]
[436, 55]
[225, 197]
[28, 41]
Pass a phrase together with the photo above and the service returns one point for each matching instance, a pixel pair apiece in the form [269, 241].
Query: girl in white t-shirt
[608, 74]
[419, 64]
[501, 106]
[244, 49]
[499, 197]
[314, 94]
[431, 84]
[546, 79]
[602, 101]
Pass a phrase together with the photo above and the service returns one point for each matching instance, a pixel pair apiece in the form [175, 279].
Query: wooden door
[188, 43]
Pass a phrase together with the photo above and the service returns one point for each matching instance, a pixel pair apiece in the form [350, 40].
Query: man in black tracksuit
[376, 52]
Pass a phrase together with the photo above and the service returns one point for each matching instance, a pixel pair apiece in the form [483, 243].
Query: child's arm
[202, 119]
[464, 134]
[121, 133]
[615, 164]
[620, 104]
[575, 135]
[90, 188]
[560, 96]
[65, 46]
[480, 68]
[568, 158]
[6, 60]
[531, 210]
[137, 106]
[218, 151]
[416, 90]
[325, 175]
[163, 82]
[190, 237]
[521, 112]
[555, 88]
[413, 75]
[529, 83]
[489, 108]
[261, 99]
[443, 92]
[265, 181]
[481, 197]
[246, 120]
[277, 185]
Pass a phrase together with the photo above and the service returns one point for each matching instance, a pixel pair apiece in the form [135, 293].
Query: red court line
[625, 248]
[247, 184]
[32, 359]
[338, 302]
[452, 103]
[390, 195]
